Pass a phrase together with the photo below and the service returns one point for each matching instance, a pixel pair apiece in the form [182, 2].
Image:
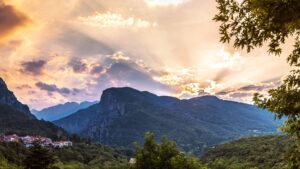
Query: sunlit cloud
[173, 77]
[169, 79]
[120, 56]
[165, 2]
[228, 60]
[187, 82]
[190, 90]
[168, 47]
[245, 92]
[108, 19]
[211, 89]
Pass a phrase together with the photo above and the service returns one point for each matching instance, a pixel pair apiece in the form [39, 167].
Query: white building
[28, 141]
[132, 161]
[60, 144]
[11, 138]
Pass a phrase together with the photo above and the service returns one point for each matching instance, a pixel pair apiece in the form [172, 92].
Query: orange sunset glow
[58, 51]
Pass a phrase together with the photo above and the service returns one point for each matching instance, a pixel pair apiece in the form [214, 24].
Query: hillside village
[28, 141]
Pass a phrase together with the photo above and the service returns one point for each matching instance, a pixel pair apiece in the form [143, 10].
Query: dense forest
[79, 156]
[253, 152]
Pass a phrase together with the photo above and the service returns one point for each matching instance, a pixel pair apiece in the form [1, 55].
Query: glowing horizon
[52, 54]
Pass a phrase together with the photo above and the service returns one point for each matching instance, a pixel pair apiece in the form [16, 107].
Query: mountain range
[62, 110]
[15, 118]
[123, 115]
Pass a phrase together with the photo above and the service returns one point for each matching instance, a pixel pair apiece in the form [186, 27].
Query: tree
[252, 23]
[39, 158]
[162, 156]
[4, 164]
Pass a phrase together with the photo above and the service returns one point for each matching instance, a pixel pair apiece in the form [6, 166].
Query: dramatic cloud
[107, 20]
[78, 66]
[10, 20]
[24, 86]
[253, 87]
[33, 67]
[128, 74]
[52, 88]
[119, 56]
[223, 93]
[169, 47]
[165, 2]
[262, 86]
[245, 93]
[187, 82]
[97, 69]
[81, 44]
[241, 95]
[228, 60]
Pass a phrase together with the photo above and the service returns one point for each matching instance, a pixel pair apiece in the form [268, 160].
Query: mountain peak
[119, 91]
[212, 97]
[8, 98]
[207, 98]
[3, 84]
[114, 99]
[112, 89]
[59, 111]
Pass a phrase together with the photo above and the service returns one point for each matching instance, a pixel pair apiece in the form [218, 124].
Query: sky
[57, 51]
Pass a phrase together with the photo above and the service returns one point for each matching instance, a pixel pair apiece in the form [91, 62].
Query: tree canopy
[39, 158]
[253, 23]
[162, 156]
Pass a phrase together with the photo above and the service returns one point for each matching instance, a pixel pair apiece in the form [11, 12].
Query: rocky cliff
[7, 97]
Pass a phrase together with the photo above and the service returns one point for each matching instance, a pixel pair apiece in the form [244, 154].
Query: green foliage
[162, 156]
[39, 158]
[71, 165]
[247, 153]
[255, 22]
[79, 156]
[254, 152]
[285, 102]
[91, 155]
[4, 164]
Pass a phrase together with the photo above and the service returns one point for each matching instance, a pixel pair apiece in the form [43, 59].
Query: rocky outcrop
[7, 97]
[113, 107]
[111, 103]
